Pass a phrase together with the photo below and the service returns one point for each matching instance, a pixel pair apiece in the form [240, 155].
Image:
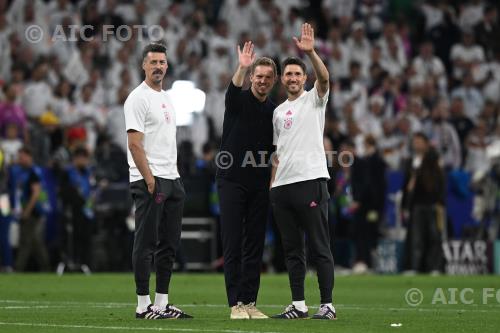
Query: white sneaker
[85, 269]
[360, 268]
[239, 312]
[253, 312]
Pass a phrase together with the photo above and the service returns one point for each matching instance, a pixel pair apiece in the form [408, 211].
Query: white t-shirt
[151, 112]
[298, 134]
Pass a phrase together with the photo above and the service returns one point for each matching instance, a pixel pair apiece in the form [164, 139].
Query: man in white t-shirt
[155, 185]
[299, 195]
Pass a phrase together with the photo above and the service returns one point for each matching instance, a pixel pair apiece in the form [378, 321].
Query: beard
[157, 77]
[293, 91]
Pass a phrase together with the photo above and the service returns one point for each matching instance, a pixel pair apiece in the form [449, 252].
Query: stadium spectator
[428, 66]
[443, 136]
[471, 96]
[76, 195]
[6, 253]
[487, 30]
[369, 214]
[32, 222]
[37, 96]
[11, 112]
[466, 55]
[11, 144]
[461, 122]
[424, 190]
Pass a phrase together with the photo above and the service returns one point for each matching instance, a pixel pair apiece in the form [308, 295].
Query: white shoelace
[289, 308]
[156, 309]
[171, 307]
[323, 310]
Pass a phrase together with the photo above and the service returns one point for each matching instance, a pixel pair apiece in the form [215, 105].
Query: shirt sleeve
[275, 129]
[135, 113]
[232, 94]
[33, 178]
[319, 101]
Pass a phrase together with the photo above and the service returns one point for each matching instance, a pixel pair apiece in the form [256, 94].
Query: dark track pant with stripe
[158, 219]
[243, 219]
[301, 211]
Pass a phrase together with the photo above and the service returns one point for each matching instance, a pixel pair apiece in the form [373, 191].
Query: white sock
[142, 303]
[300, 305]
[161, 300]
[330, 305]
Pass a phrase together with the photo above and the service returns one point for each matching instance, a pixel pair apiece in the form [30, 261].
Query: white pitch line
[128, 328]
[62, 304]
[18, 307]
[65, 302]
[358, 308]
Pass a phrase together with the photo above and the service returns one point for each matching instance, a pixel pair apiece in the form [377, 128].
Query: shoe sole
[324, 318]
[156, 319]
[305, 318]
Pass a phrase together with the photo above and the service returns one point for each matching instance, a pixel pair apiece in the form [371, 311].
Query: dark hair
[26, 150]
[80, 151]
[422, 136]
[293, 61]
[264, 61]
[430, 173]
[354, 64]
[370, 140]
[207, 147]
[153, 47]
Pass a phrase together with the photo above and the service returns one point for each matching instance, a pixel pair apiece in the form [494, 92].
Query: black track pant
[425, 239]
[301, 209]
[158, 218]
[243, 221]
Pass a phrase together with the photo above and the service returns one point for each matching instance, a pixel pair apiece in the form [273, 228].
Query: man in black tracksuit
[243, 179]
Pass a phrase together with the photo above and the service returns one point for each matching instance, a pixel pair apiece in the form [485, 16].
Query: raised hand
[306, 42]
[246, 56]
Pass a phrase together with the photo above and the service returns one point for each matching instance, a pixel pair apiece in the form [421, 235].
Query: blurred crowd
[413, 83]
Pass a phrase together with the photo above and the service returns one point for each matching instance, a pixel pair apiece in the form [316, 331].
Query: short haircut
[421, 135]
[153, 47]
[264, 61]
[26, 150]
[80, 151]
[293, 61]
[370, 140]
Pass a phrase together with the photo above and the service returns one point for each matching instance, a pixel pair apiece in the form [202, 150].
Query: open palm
[306, 42]
[246, 56]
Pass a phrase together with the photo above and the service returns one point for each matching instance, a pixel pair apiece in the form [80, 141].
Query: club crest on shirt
[167, 117]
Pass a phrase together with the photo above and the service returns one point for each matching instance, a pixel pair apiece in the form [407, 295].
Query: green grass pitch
[106, 303]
